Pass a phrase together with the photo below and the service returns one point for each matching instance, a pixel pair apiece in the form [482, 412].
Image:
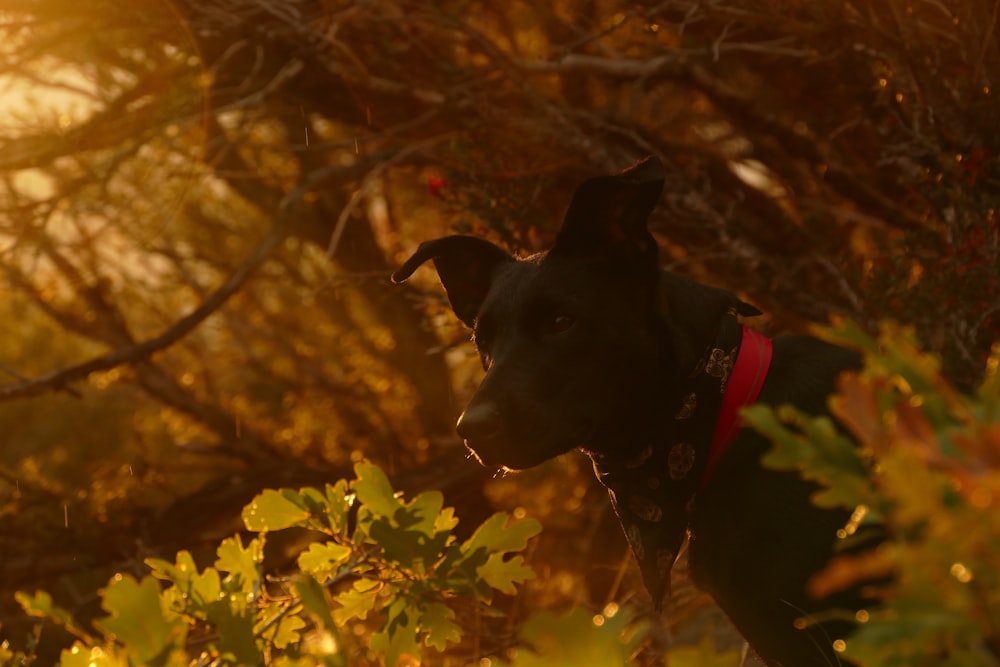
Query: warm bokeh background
[204, 199]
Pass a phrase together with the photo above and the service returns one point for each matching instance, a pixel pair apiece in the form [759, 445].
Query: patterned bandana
[653, 492]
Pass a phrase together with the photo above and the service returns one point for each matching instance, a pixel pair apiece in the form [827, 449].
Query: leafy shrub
[382, 568]
[395, 565]
[927, 472]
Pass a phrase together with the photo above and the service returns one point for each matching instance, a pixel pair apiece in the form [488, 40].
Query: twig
[987, 40]
[141, 351]
[356, 197]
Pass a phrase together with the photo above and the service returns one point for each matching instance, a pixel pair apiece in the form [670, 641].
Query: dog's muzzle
[480, 426]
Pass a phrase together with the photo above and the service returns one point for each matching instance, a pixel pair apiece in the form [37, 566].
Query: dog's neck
[653, 488]
[686, 316]
[692, 313]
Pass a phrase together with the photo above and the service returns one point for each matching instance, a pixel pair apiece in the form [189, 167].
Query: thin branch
[145, 349]
[366, 184]
[797, 140]
[141, 351]
[987, 40]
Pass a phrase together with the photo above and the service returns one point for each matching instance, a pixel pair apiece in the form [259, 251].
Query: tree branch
[145, 349]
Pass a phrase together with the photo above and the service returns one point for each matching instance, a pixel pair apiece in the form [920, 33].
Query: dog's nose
[479, 423]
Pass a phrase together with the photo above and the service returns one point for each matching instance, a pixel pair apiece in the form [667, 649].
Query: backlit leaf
[136, 618]
[445, 520]
[846, 570]
[315, 600]
[437, 620]
[574, 638]
[857, 406]
[235, 626]
[374, 490]
[242, 563]
[41, 605]
[500, 534]
[398, 639]
[280, 625]
[425, 509]
[408, 547]
[812, 446]
[80, 655]
[338, 501]
[323, 559]
[275, 510]
[504, 574]
[179, 572]
[193, 589]
[357, 601]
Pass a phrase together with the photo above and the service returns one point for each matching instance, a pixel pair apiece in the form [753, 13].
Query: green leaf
[79, 655]
[374, 490]
[310, 660]
[275, 510]
[906, 630]
[314, 501]
[702, 655]
[486, 551]
[338, 501]
[504, 574]
[136, 618]
[193, 590]
[411, 534]
[423, 512]
[357, 601]
[848, 334]
[323, 559]
[499, 534]
[315, 600]
[579, 637]
[242, 563]
[325, 510]
[445, 520]
[206, 587]
[437, 621]
[813, 446]
[40, 605]
[288, 631]
[281, 625]
[179, 573]
[236, 644]
[408, 548]
[398, 639]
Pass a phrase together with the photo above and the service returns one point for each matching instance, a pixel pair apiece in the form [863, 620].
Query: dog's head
[569, 339]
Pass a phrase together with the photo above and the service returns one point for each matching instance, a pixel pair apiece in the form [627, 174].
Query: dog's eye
[559, 323]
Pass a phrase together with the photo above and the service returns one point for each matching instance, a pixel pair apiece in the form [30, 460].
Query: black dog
[592, 346]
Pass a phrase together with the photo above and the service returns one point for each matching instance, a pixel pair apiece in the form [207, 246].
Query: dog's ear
[465, 266]
[608, 215]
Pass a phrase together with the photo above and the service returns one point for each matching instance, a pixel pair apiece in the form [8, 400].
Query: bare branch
[185, 325]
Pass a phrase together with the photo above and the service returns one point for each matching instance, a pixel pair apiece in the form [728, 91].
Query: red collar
[745, 382]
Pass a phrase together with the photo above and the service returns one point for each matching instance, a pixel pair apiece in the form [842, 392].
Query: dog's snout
[480, 423]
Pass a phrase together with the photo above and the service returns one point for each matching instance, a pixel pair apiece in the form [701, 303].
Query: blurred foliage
[925, 473]
[200, 203]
